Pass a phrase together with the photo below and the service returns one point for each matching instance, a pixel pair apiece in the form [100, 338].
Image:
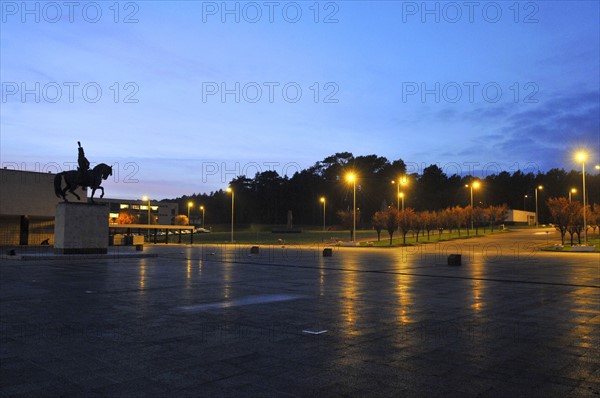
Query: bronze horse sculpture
[89, 178]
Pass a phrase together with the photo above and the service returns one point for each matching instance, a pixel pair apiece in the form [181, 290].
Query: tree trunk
[571, 236]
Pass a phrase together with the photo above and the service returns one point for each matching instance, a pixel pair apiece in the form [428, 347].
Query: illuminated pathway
[215, 321]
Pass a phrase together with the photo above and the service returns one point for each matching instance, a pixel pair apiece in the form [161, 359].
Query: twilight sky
[183, 96]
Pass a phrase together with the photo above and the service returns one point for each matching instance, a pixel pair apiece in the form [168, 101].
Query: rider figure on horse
[84, 164]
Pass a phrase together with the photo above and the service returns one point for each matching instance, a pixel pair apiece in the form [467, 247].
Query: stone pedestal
[81, 228]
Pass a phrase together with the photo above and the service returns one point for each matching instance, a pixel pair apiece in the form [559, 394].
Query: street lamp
[323, 201]
[572, 191]
[352, 179]
[581, 157]
[146, 198]
[536, 205]
[202, 208]
[190, 204]
[401, 181]
[401, 196]
[524, 199]
[475, 185]
[230, 190]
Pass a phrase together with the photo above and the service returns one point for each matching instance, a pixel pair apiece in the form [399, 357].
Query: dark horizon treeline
[266, 198]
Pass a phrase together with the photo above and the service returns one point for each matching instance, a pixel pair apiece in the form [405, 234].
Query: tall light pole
[401, 181]
[190, 204]
[472, 185]
[397, 192]
[539, 187]
[352, 179]
[572, 191]
[323, 201]
[202, 208]
[581, 157]
[146, 198]
[524, 198]
[230, 190]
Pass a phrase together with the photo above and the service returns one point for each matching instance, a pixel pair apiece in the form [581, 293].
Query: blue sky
[494, 86]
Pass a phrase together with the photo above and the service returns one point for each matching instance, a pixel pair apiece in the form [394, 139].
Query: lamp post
[401, 180]
[352, 179]
[190, 204]
[524, 203]
[471, 186]
[323, 201]
[230, 190]
[572, 191]
[581, 157]
[536, 205]
[146, 198]
[202, 208]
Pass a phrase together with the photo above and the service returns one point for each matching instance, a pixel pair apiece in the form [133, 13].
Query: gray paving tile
[409, 327]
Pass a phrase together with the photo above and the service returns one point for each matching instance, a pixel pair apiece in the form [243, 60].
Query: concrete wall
[27, 207]
[30, 193]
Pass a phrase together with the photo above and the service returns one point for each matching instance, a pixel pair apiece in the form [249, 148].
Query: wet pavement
[217, 321]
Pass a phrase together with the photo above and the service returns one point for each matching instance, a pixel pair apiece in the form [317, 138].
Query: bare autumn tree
[479, 219]
[391, 221]
[125, 217]
[458, 217]
[181, 219]
[594, 218]
[419, 224]
[406, 219]
[448, 219]
[561, 215]
[347, 220]
[468, 215]
[442, 222]
[379, 222]
[431, 222]
[496, 214]
[576, 222]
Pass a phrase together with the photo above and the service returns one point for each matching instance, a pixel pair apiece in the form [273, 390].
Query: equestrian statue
[82, 177]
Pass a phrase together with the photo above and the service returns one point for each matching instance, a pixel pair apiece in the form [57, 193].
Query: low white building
[520, 217]
[160, 212]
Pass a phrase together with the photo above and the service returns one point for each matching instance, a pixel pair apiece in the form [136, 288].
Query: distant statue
[92, 178]
[83, 163]
[82, 177]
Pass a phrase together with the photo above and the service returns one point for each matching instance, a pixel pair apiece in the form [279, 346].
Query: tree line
[267, 197]
[567, 217]
[427, 222]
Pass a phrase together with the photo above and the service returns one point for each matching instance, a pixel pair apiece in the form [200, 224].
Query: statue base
[81, 228]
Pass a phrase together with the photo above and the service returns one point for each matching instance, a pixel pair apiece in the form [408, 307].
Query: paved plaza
[216, 321]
